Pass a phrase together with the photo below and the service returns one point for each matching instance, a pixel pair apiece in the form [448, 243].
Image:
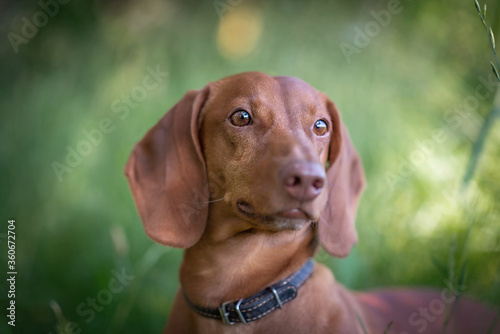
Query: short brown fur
[203, 184]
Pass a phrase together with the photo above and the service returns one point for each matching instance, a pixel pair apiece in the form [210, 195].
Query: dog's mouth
[295, 214]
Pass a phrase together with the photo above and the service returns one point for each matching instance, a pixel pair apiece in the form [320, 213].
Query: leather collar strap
[260, 304]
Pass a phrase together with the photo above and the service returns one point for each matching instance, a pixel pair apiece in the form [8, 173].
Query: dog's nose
[303, 180]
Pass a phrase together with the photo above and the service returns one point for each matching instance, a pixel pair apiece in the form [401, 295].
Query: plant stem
[492, 115]
[479, 144]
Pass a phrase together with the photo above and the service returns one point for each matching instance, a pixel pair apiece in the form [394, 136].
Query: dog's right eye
[240, 118]
[320, 127]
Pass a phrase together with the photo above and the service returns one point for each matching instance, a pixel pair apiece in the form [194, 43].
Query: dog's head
[269, 151]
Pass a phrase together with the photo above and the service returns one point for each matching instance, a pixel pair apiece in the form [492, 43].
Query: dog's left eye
[240, 118]
[320, 127]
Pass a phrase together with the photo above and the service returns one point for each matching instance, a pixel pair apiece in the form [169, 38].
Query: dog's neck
[234, 260]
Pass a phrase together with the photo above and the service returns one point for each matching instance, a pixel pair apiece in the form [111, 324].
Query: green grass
[400, 91]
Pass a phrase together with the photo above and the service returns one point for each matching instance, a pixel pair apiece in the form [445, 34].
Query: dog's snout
[303, 180]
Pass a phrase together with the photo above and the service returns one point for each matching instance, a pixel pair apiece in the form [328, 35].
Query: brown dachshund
[250, 175]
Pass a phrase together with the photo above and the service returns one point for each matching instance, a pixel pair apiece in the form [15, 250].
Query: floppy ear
[167, 175]
[345, 183]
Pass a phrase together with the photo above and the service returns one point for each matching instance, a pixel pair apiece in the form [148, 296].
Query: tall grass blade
[477, 6]
[360, 322]
[493, 323]
[492, 36]
[495, 71]
[388, 328]
[478, 146]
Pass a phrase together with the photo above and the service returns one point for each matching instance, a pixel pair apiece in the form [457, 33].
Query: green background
[408, 97]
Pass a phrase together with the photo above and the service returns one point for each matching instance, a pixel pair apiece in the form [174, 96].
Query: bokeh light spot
[239, 32]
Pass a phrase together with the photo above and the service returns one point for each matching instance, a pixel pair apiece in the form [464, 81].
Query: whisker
[212, 201]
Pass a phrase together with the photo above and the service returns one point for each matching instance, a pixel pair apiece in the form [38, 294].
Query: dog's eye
[320, 127]
[240, 118]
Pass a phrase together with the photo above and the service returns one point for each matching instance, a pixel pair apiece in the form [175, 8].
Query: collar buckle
[225, 314]
[276, 296]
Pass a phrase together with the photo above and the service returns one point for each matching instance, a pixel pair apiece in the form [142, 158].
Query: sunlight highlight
[239, 33]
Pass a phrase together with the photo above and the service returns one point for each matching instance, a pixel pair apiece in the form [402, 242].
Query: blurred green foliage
[402, 97]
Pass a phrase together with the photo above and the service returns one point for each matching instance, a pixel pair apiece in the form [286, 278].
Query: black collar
[260, 304]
